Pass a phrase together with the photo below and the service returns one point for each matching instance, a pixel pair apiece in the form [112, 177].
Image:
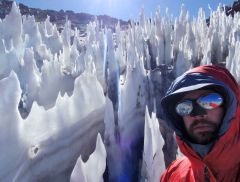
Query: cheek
[216, 115]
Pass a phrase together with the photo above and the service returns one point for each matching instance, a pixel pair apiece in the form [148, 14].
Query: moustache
[202, 122]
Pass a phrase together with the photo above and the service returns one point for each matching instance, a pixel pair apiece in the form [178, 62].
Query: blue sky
[126, 9]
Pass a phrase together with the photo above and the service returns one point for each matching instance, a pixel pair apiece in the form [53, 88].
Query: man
[202, 107]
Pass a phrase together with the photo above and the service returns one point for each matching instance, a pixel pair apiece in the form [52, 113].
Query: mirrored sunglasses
[208, 102]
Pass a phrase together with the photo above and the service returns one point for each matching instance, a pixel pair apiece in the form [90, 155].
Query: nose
[199, 116]
[198, 111]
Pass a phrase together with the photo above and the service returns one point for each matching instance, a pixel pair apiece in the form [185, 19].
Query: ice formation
[152, 153]
[96, 164]
[59, 90]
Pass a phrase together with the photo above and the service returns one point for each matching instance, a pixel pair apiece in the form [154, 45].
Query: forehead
[196, 93]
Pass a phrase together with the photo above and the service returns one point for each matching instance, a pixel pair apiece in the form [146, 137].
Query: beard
[204, 135]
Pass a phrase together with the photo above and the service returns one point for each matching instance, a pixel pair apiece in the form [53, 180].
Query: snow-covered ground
[94, 104]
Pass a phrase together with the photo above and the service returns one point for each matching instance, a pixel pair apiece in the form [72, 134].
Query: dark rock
[229, 10]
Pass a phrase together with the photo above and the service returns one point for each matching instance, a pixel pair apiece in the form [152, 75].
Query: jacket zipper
[206, 174]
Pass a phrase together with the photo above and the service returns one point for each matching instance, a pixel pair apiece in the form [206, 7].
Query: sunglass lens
[184, 108]
[210, 101]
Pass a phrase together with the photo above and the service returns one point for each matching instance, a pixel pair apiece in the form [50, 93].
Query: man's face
[202, 129]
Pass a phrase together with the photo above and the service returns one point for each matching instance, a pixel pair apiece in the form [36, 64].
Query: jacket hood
[202, 77]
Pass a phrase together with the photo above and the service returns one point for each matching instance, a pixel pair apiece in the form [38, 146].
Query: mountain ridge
[78, 20]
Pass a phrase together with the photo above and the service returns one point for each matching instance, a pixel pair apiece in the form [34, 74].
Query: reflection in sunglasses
[209, 101]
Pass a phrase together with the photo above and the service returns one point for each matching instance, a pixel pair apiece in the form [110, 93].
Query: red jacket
[222, 163]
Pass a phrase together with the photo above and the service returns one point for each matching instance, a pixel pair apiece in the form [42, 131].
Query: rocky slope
[78, 20]
[230, 10]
